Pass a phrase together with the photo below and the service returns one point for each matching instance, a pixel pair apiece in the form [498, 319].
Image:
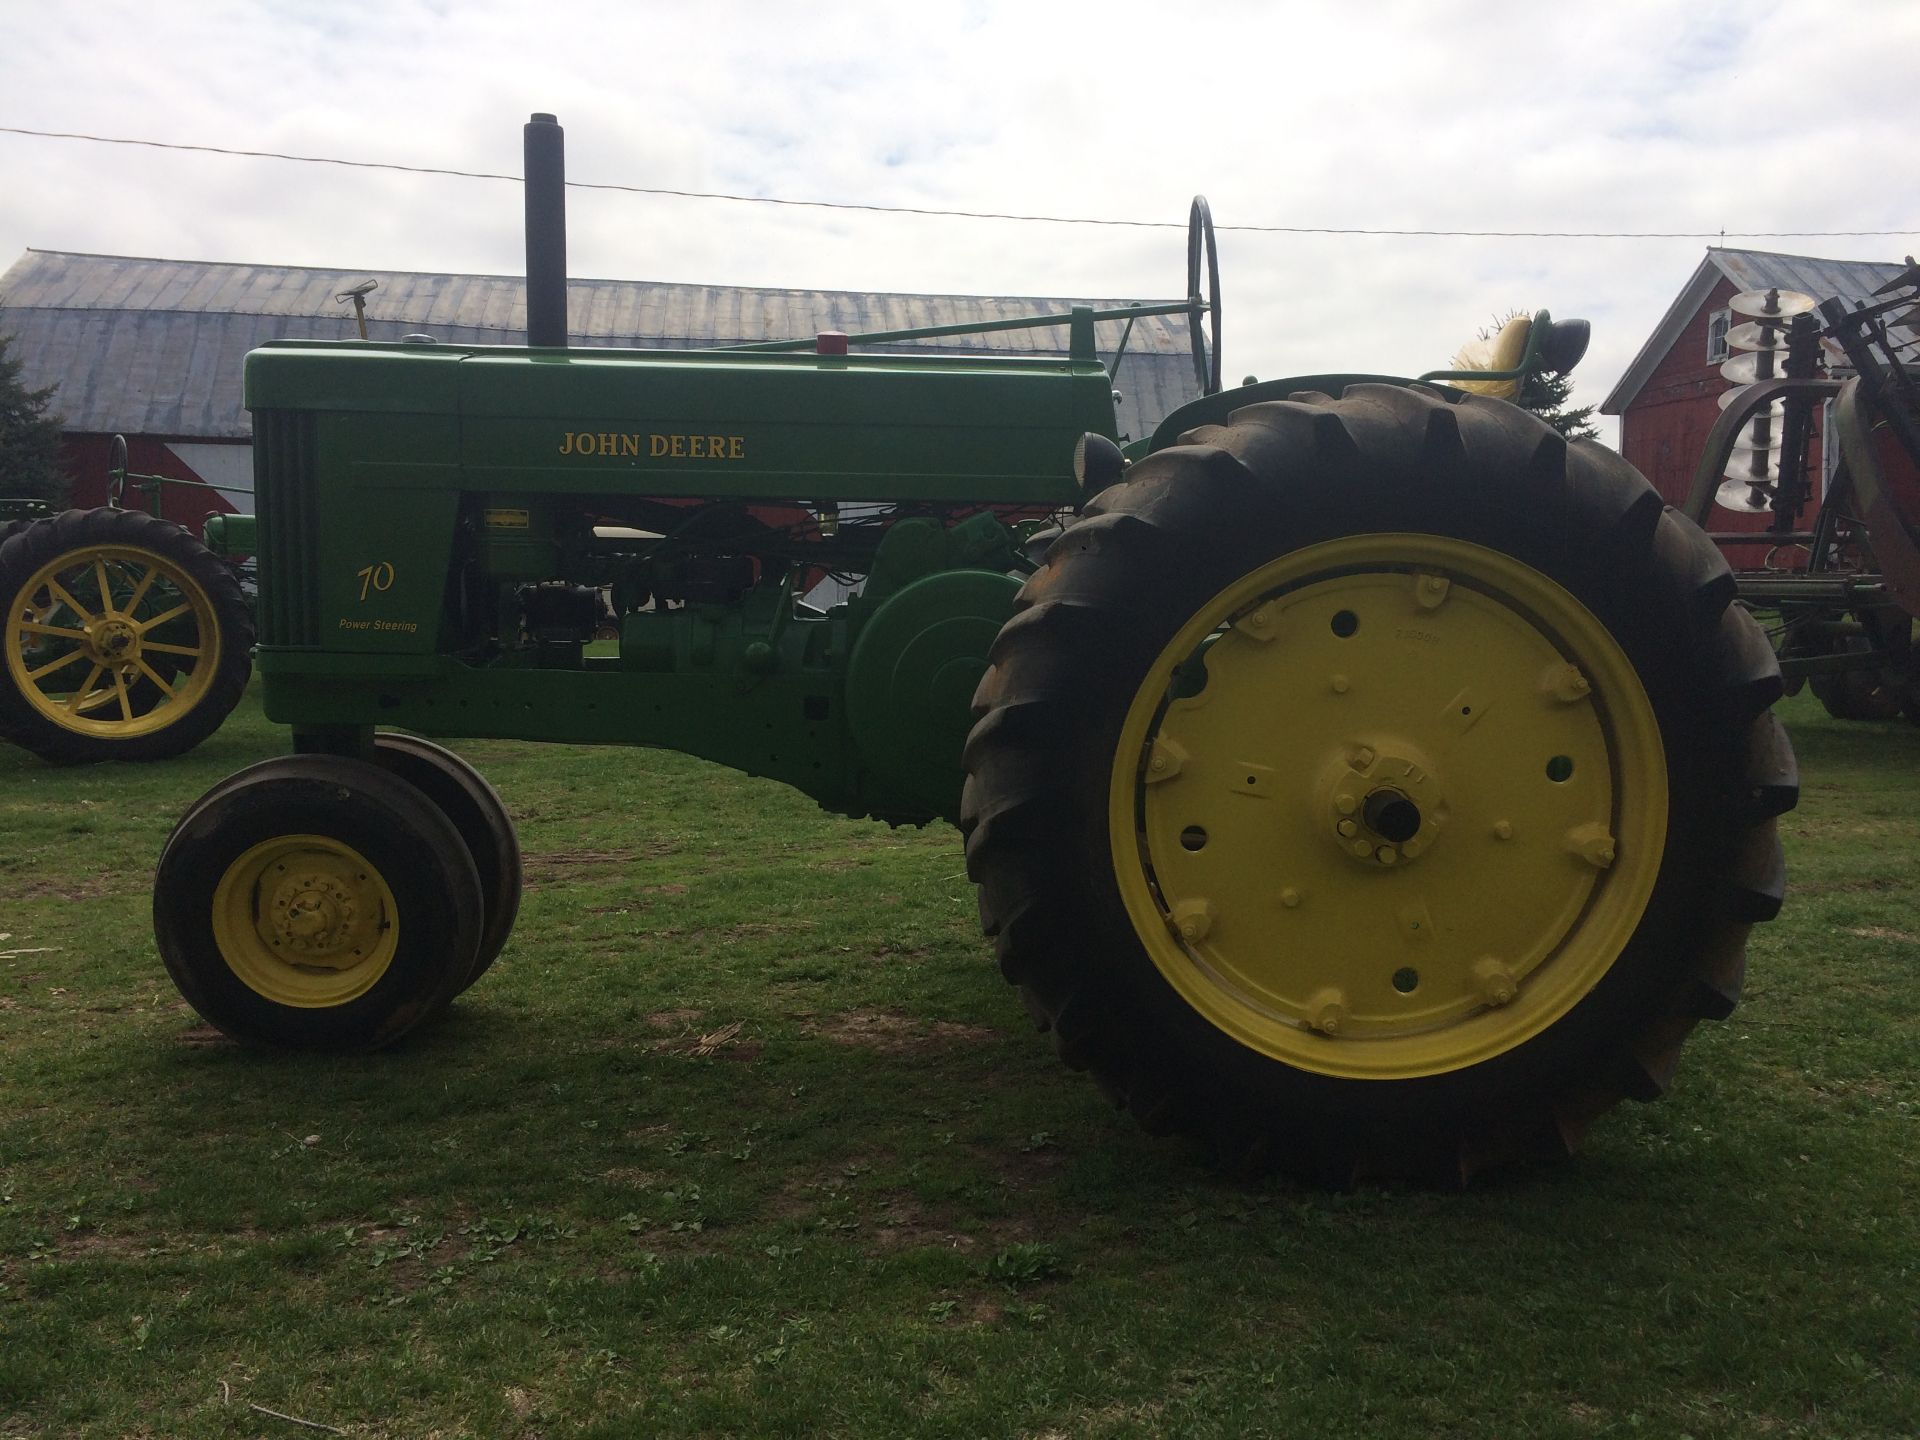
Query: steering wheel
[1206, 346]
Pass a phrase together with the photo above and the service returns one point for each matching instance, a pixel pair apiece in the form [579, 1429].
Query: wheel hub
[113, 639]
[305, 920]
[1382, 806]
[312, 918]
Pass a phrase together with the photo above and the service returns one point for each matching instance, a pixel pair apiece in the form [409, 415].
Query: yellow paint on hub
[1407, 901]
[306, 921]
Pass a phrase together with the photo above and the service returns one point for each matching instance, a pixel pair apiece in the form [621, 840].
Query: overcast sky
[1608, 115]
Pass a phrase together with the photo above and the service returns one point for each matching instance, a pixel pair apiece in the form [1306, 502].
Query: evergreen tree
[29, 438]
[1546, 393]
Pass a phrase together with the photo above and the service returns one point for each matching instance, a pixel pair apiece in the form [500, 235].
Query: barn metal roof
[1850, 280]
[155, 347]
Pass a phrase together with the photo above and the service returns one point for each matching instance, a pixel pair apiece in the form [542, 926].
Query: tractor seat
[1504, 351]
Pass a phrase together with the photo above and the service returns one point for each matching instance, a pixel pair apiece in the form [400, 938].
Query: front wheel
[1377, 786]
[319, 903]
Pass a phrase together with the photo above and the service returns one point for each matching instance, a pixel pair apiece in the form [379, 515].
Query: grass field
[744, 1135]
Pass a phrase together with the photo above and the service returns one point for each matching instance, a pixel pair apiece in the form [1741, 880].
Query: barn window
[1717, 324]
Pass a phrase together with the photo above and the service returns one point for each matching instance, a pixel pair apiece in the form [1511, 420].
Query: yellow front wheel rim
[306, 921]
[112, 641]
[1388, 807]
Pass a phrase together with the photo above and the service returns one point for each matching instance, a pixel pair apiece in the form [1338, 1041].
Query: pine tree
[1546, 394]
[30, 463]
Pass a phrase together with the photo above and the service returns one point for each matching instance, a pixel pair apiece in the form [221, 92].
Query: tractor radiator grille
[288, 501]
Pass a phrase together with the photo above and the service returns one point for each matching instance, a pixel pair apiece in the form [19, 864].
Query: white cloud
[1623, 116]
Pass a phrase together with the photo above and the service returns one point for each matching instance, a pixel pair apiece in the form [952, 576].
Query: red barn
[1668, 399]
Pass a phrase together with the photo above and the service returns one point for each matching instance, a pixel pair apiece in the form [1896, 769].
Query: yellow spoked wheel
[124, 638]
[136, 653]
[1377, 786]
[305, 920]
[1388, 806]
[317, 902]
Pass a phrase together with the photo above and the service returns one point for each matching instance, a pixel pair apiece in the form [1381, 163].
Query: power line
[973, 214]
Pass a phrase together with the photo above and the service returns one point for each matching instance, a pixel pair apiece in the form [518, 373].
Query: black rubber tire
[1855, 694]
[8, 529]
[75, 533]
[1192, 519]
[413, 846]
[475, 808]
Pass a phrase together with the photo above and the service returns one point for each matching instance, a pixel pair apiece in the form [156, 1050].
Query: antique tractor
[1361, 778]
[126, 637]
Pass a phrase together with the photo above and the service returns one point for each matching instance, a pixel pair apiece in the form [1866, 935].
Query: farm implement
[1845, 583]
[1355, 775]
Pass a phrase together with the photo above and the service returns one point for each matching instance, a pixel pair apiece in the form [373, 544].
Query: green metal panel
[416, 501]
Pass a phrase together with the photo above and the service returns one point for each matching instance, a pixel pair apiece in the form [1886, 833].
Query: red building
[1668, 399]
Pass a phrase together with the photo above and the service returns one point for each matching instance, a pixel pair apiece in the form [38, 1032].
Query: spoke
[74, 700]
[140, 590]
[54, 587]
[165, 615]
[34, 627]
[120, 687]
[51, 666]
[106, 590]
[166, 649]
[156, 677]
[96, 700]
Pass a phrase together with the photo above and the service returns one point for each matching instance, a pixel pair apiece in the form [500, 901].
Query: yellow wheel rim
[112, 641]
[304, 920]
[1388, 806]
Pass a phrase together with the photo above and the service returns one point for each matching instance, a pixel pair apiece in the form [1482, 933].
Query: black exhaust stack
[545, 168]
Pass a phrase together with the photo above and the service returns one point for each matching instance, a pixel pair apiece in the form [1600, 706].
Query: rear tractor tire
[125, 638]
[1377, 787]
[317, 903]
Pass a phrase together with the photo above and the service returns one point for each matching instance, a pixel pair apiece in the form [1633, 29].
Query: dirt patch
[892, 1033]
[91, 1244]
[201, 1037]
[1881, 932]
[95, 889]
[904, 1226]
[632, 1177]
[673, 1019]
[553, 866]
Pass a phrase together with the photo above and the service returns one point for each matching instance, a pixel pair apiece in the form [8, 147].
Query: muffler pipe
[545, 169]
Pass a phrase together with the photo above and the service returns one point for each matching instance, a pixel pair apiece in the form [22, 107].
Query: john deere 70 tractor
[1362, 779]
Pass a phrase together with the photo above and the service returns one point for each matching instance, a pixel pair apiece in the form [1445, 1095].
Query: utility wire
[973, 214]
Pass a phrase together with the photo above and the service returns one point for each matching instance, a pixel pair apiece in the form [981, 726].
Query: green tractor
[1361, 778]
[126, 637]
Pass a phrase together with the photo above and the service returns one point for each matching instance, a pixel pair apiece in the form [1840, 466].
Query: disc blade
[1753, 467]
[1770, 304]
[1742, 498]
[1758, 335]
[1775, 410]
[1754, 365]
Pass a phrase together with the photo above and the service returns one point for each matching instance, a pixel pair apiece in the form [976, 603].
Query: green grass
[879, 1207]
